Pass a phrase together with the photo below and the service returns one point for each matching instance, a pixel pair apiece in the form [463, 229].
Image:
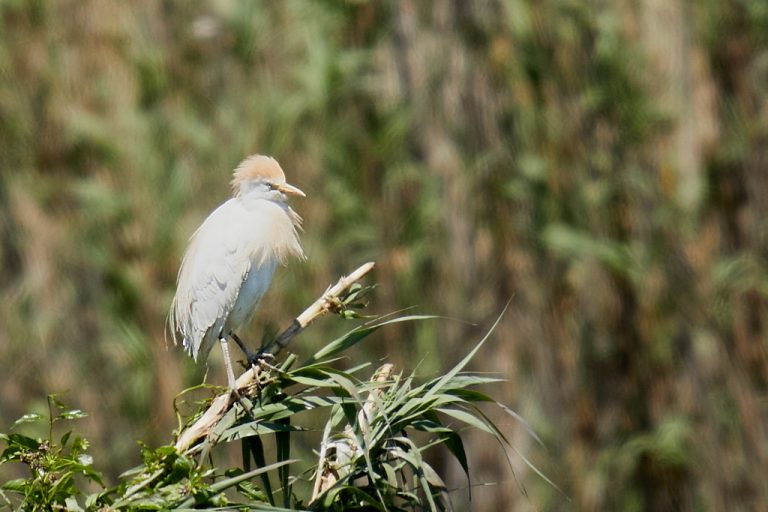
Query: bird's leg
[252, 357]
[228, 363]
[248, 354]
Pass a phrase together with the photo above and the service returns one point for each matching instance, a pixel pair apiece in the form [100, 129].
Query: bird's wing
[212, 272]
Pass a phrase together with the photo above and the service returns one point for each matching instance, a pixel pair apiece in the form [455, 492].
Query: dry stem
[346, 449]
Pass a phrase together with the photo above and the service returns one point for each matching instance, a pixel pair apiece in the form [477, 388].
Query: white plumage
[232, 256]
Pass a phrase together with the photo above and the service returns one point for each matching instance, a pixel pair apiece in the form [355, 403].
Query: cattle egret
[231, 258]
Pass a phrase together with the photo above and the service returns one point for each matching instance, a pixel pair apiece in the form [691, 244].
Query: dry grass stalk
[346, 449]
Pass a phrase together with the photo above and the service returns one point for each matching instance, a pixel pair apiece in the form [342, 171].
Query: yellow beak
[285, 188]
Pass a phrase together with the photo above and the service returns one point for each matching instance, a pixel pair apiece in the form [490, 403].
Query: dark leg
[248, 354]
[252, 357]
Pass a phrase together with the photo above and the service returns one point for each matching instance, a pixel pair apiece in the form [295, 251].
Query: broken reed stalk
[221, 404]
[335, 455]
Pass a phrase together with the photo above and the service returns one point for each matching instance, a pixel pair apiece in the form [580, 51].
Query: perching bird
[231, 258]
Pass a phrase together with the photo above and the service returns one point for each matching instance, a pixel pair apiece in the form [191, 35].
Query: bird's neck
[256, 200]
[280, 226]
[252, 202]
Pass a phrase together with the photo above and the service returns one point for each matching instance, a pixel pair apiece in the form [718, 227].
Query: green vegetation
[370, 457]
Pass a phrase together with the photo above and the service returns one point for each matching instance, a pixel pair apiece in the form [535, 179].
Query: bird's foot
[252, 358]
[235, 394]
[259, 357]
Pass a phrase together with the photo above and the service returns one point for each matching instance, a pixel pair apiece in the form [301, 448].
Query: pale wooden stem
[319, 307]
[221, 404]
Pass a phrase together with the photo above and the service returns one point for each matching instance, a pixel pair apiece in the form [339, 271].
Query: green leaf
[256, 447]
[469, 395]
[521, 421]
[329, 497]
[451, 440]
[16, 485]
[283, 448]
[27, 418]
[92, 500]
[431, 475]
[429, 425]
[413, 457]
[467, 418]
[222, 485]
[74, 414]
[455, 445]
[22, 441]
[346, 384]
[316, 383]
[53, 400]
[256, 428]
[251, 492]
[463, 381]
[356, 335]
[391, 475]
[456, 369]
[73, 505]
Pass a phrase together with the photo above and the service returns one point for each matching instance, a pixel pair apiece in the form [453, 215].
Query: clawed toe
[259, 357]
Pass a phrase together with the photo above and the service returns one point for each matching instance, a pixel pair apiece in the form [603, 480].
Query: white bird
[231, 258]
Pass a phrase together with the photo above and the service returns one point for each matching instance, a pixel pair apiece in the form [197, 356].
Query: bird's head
[262, 177]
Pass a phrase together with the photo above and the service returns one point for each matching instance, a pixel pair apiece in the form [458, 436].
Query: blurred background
[604, 165]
